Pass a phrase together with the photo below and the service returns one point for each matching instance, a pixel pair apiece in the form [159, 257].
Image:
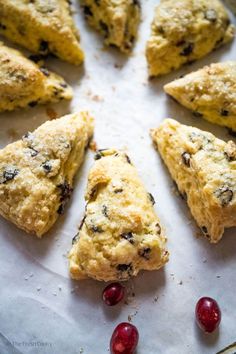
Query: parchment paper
[41, 310]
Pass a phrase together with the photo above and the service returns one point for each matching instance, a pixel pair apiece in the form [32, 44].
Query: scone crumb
[93, 146]
[51, 113]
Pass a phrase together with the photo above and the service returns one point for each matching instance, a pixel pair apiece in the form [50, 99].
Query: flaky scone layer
[204, 169]
[120, 233]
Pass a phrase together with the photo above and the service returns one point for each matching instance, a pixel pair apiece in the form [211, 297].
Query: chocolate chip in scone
[8, 174]
[118, 190]
[104, 28]
[105, 211]
[32, 103]
[36, 58]
[186, 158]
[150, 196]
[137, 3]
[65, 191]
[44, 71]
[128, 236]
[97, 2]
[224, 113]
[205, 231]
[158, 226]
[145, 252]
[61, 209]
[197, 114]
[47, 166]
[225, 195]
[211, 15]
[99, 154]
[63, 85]
[87, 11]
[28, 136]
[128, 159]
[82, 222]
[183, 196]
[43, 47]
[33, 152]
[125, 268]
[75, 238]
[97, 229]
[187, 50]
[160, 30]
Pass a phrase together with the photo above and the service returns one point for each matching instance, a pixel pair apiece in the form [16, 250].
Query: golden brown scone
[42, 26]
[204, 169]
[117, 20]
[120, 233]
[185, 30]
[209, 92]
[25, 84]
[36, 173]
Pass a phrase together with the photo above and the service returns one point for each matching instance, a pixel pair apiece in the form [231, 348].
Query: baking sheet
[41, 310]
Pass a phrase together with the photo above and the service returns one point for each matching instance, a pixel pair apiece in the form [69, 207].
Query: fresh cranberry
[113, 294]
[124, 339]
[208, 314]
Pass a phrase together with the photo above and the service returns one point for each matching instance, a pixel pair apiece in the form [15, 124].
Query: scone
[23, 83]
[120, 233]
[42, 26]
[204, 169]
[36, 173]
[209, 92]
[117, 20]
[185, 30]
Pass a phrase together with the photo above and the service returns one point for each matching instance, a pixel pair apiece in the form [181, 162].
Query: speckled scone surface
[23, 83]
[204, 169]
[209, 92]
[42, 26]
[120, 233]
[185, 30]
[36, 173]
[117, 20]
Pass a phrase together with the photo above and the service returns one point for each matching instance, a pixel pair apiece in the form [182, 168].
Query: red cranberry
[208, 314]
[113, 294]
[124, 339]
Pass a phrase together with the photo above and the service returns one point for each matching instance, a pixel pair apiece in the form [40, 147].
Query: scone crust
[117, 20]
[209, 92]
[24, 84]
[36, 173]
[42, 26]
[204, 169]
[120, 233]
[185, 30]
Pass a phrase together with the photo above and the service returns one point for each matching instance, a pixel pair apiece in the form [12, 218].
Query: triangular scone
[120, 233]
[185, 30]
[117, 20]
[209, 92]
[23, 83]
[42, 26]
[36, 173]
[204, 169]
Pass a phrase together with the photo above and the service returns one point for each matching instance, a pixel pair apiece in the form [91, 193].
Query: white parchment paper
[42, 311]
